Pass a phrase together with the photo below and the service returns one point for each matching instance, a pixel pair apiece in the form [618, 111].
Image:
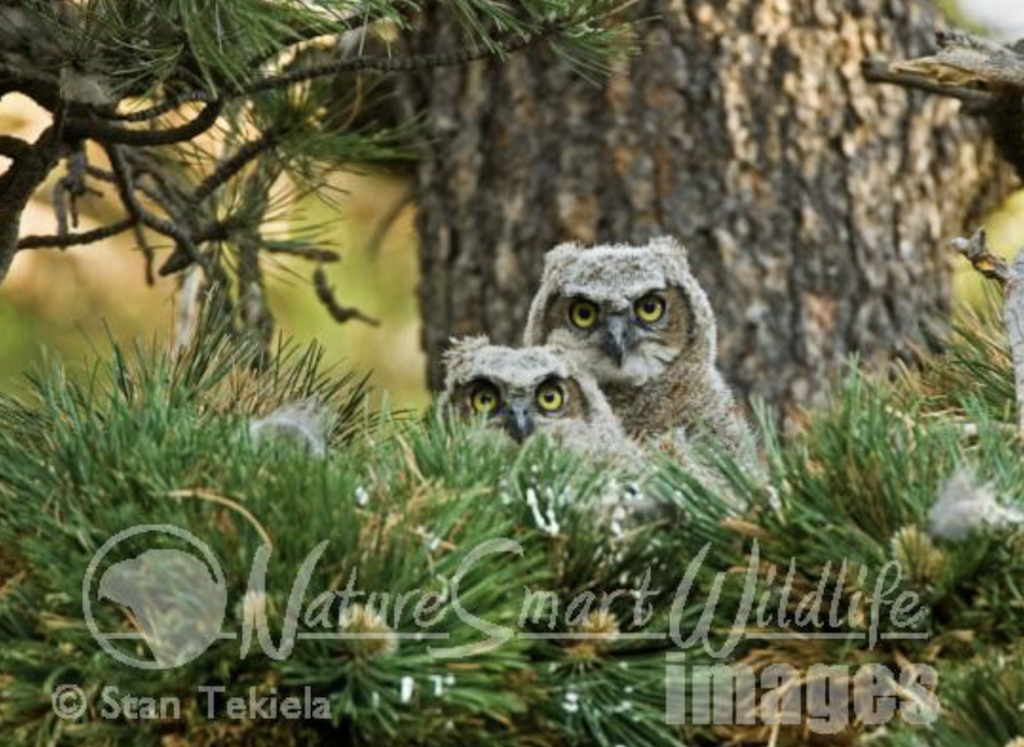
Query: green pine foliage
[403, 500]
[983, 708]
[209, 121]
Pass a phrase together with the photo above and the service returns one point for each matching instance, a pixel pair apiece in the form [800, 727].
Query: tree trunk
[816, 207]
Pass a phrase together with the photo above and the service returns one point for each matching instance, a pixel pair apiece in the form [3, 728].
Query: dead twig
[1013, 317]
[975, 250]
[1011, 280]
[987, 76]
[967, 60]
[880, 71]
[29, 169]
[76, 239]
[339, 313]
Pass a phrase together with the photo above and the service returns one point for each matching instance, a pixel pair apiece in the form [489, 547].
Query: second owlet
[533, 390]
[636, 318]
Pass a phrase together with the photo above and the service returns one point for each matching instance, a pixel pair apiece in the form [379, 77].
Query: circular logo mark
[175, 601]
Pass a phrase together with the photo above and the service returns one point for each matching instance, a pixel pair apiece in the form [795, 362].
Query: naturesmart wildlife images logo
[176, 599]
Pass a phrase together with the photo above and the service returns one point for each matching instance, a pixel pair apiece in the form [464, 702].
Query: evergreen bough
[214, 117]
[146, 438]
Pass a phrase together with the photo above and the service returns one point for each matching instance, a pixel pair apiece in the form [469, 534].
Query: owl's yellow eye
[485, 399]
[650, 308]
[583, 314]
[550, 397]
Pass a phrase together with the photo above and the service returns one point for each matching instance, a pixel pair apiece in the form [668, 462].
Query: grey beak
[518, 422]
[616, 340]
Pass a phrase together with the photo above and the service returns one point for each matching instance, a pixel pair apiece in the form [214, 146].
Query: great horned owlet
[637, 319]
[533, 390]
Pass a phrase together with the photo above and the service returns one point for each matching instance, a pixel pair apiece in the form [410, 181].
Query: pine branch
[108, 176]
[13, 147]
[76, 239]
[185, 249]
[28, 170]
[104, 132]
[354, 64]
[42, 88]
[126, 190]
[398, 64]
[159, 189]
[229, 167]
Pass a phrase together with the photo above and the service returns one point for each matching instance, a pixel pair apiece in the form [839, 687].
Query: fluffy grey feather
[964, 506]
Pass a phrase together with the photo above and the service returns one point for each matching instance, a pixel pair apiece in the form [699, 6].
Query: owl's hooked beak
[518, 421]
[617, 339]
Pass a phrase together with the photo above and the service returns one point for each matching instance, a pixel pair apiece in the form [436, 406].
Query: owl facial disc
[530, 392]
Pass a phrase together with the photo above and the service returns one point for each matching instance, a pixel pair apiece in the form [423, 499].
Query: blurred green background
[71, 303]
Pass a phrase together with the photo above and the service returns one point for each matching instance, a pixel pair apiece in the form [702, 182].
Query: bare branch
[78, 166]
[179, 260]
[147, 252]
[879, 71]
[235, 163]
[1011, 280]
[98, 129]
[339, 313]
[18, 184]
[320, 256]
[125, 184]
[165, 107]
[20, 76]
[1013, 317]
[60, 206]
[40, 87]
[75, 239]
[986, 75]
[108, 176]
[13, 147]
[184, 246]
[966, 60]
[72, 186]
[963, 63]
[975, 250]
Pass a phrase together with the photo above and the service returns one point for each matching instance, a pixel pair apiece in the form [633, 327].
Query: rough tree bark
[815, 205]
